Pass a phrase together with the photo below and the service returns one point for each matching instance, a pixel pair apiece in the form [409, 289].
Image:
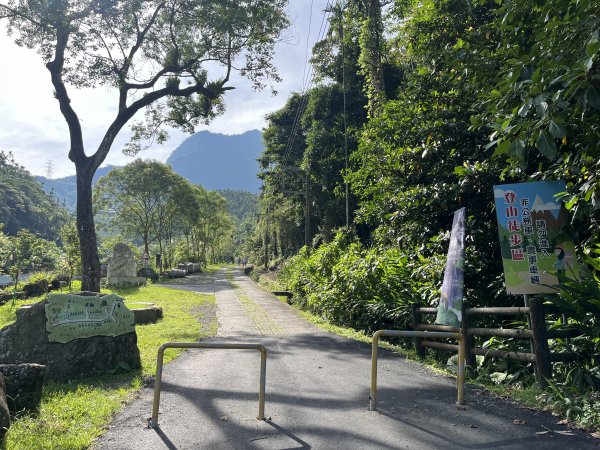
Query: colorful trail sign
[538, 252]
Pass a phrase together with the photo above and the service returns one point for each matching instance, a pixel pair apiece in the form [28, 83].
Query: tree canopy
[172, 60]
[141, 198]
[147, 202]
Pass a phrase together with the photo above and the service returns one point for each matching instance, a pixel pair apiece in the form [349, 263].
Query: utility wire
[343, 44]
[307, 42]
[307, 85]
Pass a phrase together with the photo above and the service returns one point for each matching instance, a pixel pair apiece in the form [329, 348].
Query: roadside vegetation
[73, 413]
[418, 109]
[578, 407]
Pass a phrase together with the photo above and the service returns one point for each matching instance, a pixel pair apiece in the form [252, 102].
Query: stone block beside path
[24, 384]
[4, 413]
[26, 341]
[145, 312]
[177, 273]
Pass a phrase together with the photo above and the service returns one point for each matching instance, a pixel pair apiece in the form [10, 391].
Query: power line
[307, 82]
[307, 85]
[307, 41]
[308, 78]
[347, 189]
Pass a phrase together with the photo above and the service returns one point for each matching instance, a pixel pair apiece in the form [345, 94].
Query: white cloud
[499, 193]
[32, 127]
[539, 205]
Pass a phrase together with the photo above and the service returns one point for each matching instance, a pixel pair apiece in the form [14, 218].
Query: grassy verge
[74, 413]
[266, 279]
[8, 311]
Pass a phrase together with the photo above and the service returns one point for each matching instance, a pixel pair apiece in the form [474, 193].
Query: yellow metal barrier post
[238, 346]
[460, 380]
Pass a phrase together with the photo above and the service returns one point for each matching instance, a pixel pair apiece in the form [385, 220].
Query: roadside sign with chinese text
[537, 251]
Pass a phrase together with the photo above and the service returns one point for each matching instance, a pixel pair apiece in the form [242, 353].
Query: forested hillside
[212, 160]
[24, 205]
[417, 109]
[240, 204]
[219, 161]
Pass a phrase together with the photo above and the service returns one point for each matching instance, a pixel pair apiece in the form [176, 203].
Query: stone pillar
[121, 268]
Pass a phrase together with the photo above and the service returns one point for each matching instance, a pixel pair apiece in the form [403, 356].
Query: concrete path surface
[316, 393]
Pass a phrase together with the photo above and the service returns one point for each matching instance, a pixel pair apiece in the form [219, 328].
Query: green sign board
[537, 250]
[70, 316]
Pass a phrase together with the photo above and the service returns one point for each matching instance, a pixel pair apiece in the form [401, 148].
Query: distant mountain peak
[215, 161]
[220, 161]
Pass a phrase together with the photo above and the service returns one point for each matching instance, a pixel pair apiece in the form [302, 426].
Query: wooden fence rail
[537, 334]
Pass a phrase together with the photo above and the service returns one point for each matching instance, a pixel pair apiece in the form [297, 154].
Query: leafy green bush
[41, 276]
[579, 303]
[582, 408]
[365, 288]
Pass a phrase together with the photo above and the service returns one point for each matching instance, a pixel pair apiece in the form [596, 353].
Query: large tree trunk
[90, 261]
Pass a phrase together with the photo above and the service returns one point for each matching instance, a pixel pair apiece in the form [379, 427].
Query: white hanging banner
[449, 309]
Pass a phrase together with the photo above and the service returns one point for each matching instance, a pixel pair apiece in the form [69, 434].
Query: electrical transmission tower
[49, 169]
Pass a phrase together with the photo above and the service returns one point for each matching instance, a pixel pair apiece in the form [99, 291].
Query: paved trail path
[317, 393]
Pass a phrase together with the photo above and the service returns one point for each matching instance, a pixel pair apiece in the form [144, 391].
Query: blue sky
[32, 127]
[541, 195]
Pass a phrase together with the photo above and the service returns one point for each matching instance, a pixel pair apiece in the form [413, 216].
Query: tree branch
[56, 66]
[141, 35]
[14, 13]
[126, 114]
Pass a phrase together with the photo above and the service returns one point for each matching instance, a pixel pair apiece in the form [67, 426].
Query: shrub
[365, 288]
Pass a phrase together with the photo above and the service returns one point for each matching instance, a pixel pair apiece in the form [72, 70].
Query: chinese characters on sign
[537, 252]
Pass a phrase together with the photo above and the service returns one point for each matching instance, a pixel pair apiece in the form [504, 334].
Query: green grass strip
[73, 414]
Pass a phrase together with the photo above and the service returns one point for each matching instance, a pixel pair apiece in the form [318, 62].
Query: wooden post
[470, 359]
[416, 321]
[540, 342]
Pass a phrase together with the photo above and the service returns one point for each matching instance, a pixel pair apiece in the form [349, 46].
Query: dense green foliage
[544, 105]
[366, 288]
[143, 199]
[240, 204]
[306, 145]
[25, 252]
[460, 95]
[152, 205]
[23, 203]
[243, 208]
[207, 228]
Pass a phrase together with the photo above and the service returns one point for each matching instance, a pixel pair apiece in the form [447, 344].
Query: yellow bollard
[460, 379]
[238, 346]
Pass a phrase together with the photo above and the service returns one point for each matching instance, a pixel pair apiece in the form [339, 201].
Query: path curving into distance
[317, 390]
